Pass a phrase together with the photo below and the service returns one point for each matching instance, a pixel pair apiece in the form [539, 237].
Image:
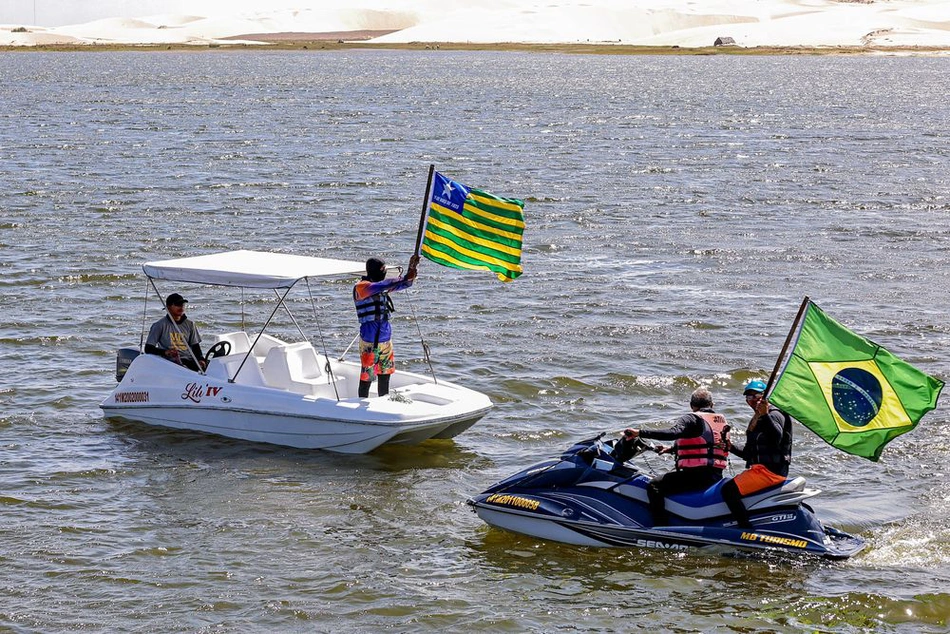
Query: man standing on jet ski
[767, 452]
[701, 445]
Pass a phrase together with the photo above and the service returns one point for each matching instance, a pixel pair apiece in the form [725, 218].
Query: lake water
[678, 210]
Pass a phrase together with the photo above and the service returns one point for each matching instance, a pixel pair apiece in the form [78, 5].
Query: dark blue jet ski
[588, 498]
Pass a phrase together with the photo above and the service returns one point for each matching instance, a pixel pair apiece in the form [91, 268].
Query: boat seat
[223, 368]
[264, 344]
[240, 342]
[294, 367]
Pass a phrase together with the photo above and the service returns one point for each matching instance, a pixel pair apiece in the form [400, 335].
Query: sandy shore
[906, 26]
[333, 42]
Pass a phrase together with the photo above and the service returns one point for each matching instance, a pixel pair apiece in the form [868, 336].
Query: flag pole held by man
[850, 391]
[467, 228]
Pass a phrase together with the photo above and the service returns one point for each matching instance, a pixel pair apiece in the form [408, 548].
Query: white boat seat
[294, 367]
[223, 368]
[240, 342]
[264, 343]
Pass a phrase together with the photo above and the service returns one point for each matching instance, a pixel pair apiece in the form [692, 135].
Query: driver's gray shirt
[170, 336]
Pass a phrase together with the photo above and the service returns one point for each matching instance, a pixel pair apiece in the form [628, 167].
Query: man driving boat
[176, 337]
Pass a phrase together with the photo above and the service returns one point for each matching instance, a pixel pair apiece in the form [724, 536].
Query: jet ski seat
[700, 505]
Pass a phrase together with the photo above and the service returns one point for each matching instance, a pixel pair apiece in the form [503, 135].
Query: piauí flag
[468, 228]
[850, 391]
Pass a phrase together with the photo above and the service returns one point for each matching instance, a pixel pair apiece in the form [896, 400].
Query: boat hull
[156, 392]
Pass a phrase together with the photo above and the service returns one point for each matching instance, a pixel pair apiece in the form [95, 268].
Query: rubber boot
[382, 384]
[657, 505]
[364, 389]
[733, 499]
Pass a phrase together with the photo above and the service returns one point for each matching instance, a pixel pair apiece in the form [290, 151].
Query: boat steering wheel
[220, 349]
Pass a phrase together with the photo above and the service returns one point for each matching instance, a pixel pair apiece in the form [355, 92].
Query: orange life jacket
[711, 449]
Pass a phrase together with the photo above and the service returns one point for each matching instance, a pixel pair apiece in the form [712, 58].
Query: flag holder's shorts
[756, 478]
[375, 360]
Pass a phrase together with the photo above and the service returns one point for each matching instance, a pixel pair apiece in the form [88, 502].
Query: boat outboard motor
[123, 359]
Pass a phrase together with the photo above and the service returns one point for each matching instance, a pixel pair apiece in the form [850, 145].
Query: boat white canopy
[249, 269]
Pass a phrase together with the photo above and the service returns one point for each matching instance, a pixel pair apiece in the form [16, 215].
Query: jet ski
[588, 498]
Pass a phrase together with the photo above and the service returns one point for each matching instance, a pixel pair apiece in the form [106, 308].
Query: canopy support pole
[355, 339]
[425, 346]
[280, 302]
[148, 280]
[291, 315]
[323, 343]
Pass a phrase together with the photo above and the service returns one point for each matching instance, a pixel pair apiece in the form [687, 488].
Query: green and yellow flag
[850, 391]
[467, 228]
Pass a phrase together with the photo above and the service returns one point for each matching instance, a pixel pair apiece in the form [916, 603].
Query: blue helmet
[755, 386]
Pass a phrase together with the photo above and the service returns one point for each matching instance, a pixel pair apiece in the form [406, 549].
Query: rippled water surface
[678, 209]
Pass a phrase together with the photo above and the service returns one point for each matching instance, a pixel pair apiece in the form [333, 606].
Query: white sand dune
[686, 23]
[172, 19]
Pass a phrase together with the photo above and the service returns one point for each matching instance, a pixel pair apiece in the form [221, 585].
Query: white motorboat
[264, 389]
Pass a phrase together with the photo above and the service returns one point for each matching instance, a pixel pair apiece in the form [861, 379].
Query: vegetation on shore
[576, 49]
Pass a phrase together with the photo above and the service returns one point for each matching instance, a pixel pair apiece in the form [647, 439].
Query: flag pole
[422, 226]
[425, 210]
[778, 362]
[788, 340]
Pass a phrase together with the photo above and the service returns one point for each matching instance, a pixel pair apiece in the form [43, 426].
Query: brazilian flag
[850, 391]
[468, 228]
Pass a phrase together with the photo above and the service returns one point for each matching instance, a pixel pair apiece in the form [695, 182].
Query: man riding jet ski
[701, 444]
[590, 498]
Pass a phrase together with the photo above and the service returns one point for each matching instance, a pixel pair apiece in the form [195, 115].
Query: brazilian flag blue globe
[857, 396]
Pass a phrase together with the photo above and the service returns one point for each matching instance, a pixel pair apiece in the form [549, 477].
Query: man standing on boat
[176, 337]
[373, 306]
[700, 444]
